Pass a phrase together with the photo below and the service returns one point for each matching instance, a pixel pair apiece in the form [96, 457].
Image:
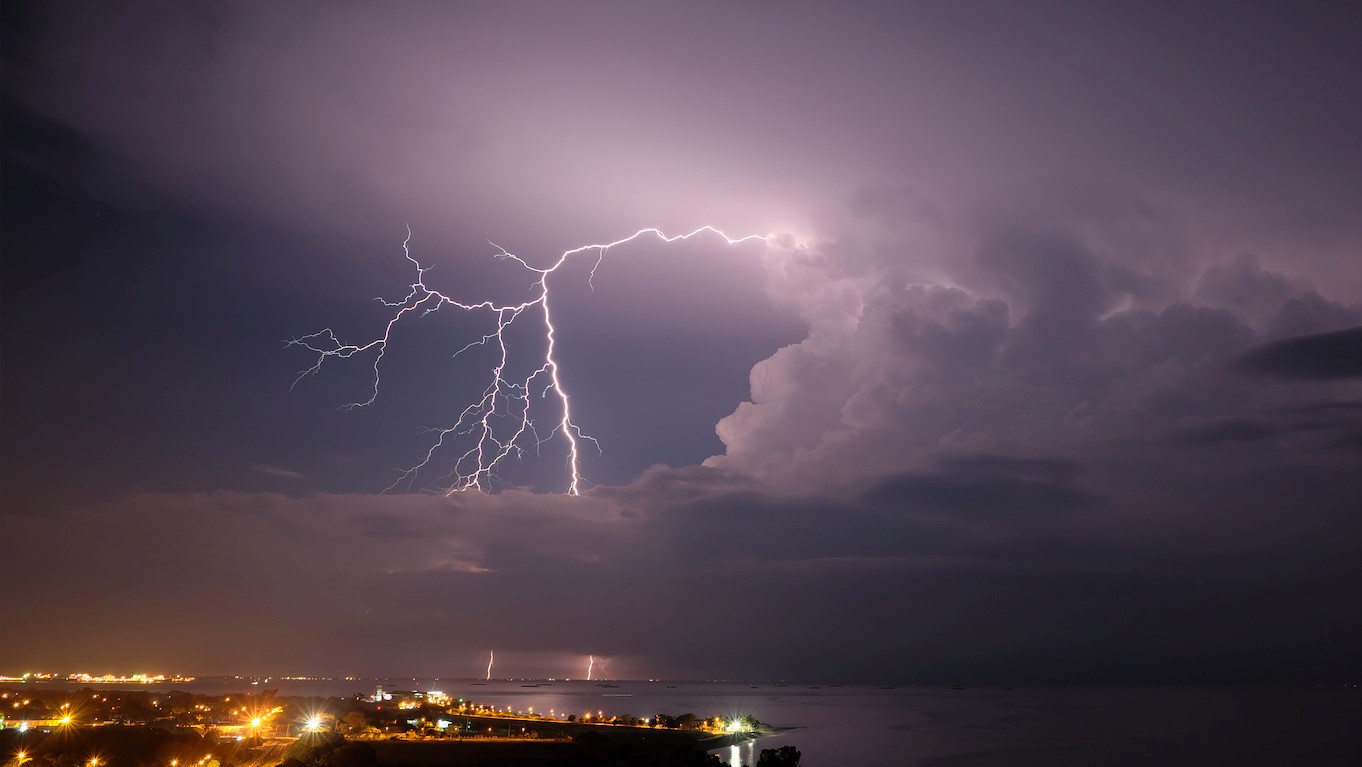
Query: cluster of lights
[101, 679]
[736, 726]
[254, 720]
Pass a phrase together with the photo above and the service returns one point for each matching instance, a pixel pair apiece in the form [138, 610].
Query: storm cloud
[1049, 370]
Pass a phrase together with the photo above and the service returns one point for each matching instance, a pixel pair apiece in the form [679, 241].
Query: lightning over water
[477, 438]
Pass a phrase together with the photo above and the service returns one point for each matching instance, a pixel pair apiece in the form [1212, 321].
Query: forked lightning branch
[477, 437]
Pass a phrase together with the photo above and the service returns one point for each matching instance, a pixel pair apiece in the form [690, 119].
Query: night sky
[1050, 372]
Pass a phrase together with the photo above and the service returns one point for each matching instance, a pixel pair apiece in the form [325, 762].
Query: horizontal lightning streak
[476, 467]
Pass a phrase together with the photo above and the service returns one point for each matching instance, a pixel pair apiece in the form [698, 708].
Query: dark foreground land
[586, 750]
[127, 746]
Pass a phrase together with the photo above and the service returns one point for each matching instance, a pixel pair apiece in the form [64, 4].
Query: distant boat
[617, 695]
[607, 685]
[671, 687]
[529, 685]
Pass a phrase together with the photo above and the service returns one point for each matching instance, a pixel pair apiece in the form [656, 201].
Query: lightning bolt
[483, 447]
[589, 666]
[491, 656]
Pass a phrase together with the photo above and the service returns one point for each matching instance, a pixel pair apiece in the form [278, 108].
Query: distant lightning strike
[589, 666]
[491, 656]
[475, 468]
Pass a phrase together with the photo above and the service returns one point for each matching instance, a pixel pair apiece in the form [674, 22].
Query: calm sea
[853, 726]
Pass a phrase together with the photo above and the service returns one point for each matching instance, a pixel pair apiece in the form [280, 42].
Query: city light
[736, 725]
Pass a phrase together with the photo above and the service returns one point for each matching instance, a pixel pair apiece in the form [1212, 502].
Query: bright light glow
[736, 725]
[503, 399]
[314, 723]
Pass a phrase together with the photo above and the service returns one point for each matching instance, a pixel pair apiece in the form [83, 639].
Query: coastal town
[103, 725]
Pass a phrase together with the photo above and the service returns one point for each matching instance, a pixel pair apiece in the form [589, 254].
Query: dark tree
[314, 748]
[353, 755]
[355, 722]
[785, 756]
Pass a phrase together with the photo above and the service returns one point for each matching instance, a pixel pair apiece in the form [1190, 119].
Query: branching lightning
[503, 398]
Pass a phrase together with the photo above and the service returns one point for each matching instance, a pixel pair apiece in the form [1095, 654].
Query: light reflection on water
[736, 757]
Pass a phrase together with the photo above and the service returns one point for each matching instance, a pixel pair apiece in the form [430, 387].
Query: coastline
[715, 742]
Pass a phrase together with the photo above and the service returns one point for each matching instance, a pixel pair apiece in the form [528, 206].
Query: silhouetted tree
[355, 722]
[353, 755]
[314, 748]
[785, 756]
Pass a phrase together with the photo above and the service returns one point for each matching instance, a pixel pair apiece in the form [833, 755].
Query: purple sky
[1053, 371]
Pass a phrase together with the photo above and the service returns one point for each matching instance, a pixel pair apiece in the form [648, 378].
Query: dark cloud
[1312, 313]
[1327, 356]
[1352, 439]
[1226, 430]
[977, 494]
[275, 471]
